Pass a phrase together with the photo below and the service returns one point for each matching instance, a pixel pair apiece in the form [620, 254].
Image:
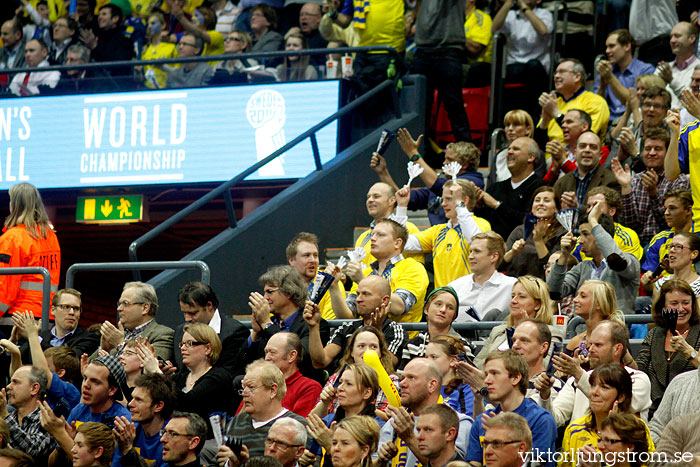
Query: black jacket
[233, 337]
[81, 341]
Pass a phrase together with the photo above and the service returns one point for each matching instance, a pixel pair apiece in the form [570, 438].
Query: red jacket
[302, 394]
[19, 249]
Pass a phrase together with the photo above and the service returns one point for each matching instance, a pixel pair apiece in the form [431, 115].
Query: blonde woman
[529, 299]
[28, 241]
[354, 441]
[517, 123]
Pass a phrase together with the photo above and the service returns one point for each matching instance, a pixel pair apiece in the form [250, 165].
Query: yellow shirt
[578, 434]
[689, 160]
[592, 103]
[381, 23]
[364, 242]
[162, 50]
[450, 250]
[477, 27]
[215, 47]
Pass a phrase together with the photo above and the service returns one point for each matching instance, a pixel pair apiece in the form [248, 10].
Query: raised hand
[407, 143]
[378, 163]
[623, 175]
[312, 314]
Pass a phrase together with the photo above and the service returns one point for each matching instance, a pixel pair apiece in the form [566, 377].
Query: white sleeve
[467, 223]
[563, 405]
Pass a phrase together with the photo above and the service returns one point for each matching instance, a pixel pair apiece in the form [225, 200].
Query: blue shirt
[62, 396]
[628, 78]
[82, 413]
[541, 422]
[148, 447]
[461, 399]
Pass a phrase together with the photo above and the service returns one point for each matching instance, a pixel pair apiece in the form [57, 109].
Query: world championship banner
[152, 137]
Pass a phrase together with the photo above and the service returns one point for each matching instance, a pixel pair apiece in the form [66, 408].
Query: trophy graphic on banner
[267, 114]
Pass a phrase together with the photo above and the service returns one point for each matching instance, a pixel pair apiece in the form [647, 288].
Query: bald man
[372, 302]
[573, 187]
[505, 203]
[679, 73]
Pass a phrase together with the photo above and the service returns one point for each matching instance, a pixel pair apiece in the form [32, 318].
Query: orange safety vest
[19, 249]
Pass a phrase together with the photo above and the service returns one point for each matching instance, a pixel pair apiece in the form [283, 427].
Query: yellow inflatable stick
[392, 395]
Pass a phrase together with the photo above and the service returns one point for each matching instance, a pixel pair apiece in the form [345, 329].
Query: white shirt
[495, 293]
[652, 18]
[524, 44]
[680, 82]
[226, 17]
[215, 322]
[572, 401]
[36, 79]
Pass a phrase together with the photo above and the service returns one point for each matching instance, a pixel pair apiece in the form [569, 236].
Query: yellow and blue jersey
[689, 157]
[450, 250]
[364, 242]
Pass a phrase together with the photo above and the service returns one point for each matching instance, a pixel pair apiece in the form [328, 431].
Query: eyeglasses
[270, 291]
[186, 43]
[249, 389]
[126, 303]
[609, 441]
[561, 72]
[270, 441]
[170, 434]
[235, 39]
[190, 344]
[497, 444]
[652, 105]
[67, 308]
[674, 246]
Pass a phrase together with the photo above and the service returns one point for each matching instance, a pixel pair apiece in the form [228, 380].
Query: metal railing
[142, 266]
[45, 289]
[135, 83]
[224, 188]
[473, 326]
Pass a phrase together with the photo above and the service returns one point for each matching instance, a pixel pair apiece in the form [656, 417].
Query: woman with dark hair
[363, 339]
[529, 256]
[28, 241]
[354, 441]
[444, 351]
[296, 67]
[356, 393]
[263, 22]
[610, 393]
[683, 252]
[667, 352]
[623, 439]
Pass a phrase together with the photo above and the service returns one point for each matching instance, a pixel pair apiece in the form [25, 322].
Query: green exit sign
[110, 209]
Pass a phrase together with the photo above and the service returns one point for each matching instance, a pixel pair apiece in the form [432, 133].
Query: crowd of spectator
[590, 212]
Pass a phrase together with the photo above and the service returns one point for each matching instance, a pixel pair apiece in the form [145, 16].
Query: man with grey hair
[420, 388]
[569, 82]
[25, 392]
[507, 441]
[137, 308]
[285, 441]
[82, 80]
[281, 309]
[506, 203]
